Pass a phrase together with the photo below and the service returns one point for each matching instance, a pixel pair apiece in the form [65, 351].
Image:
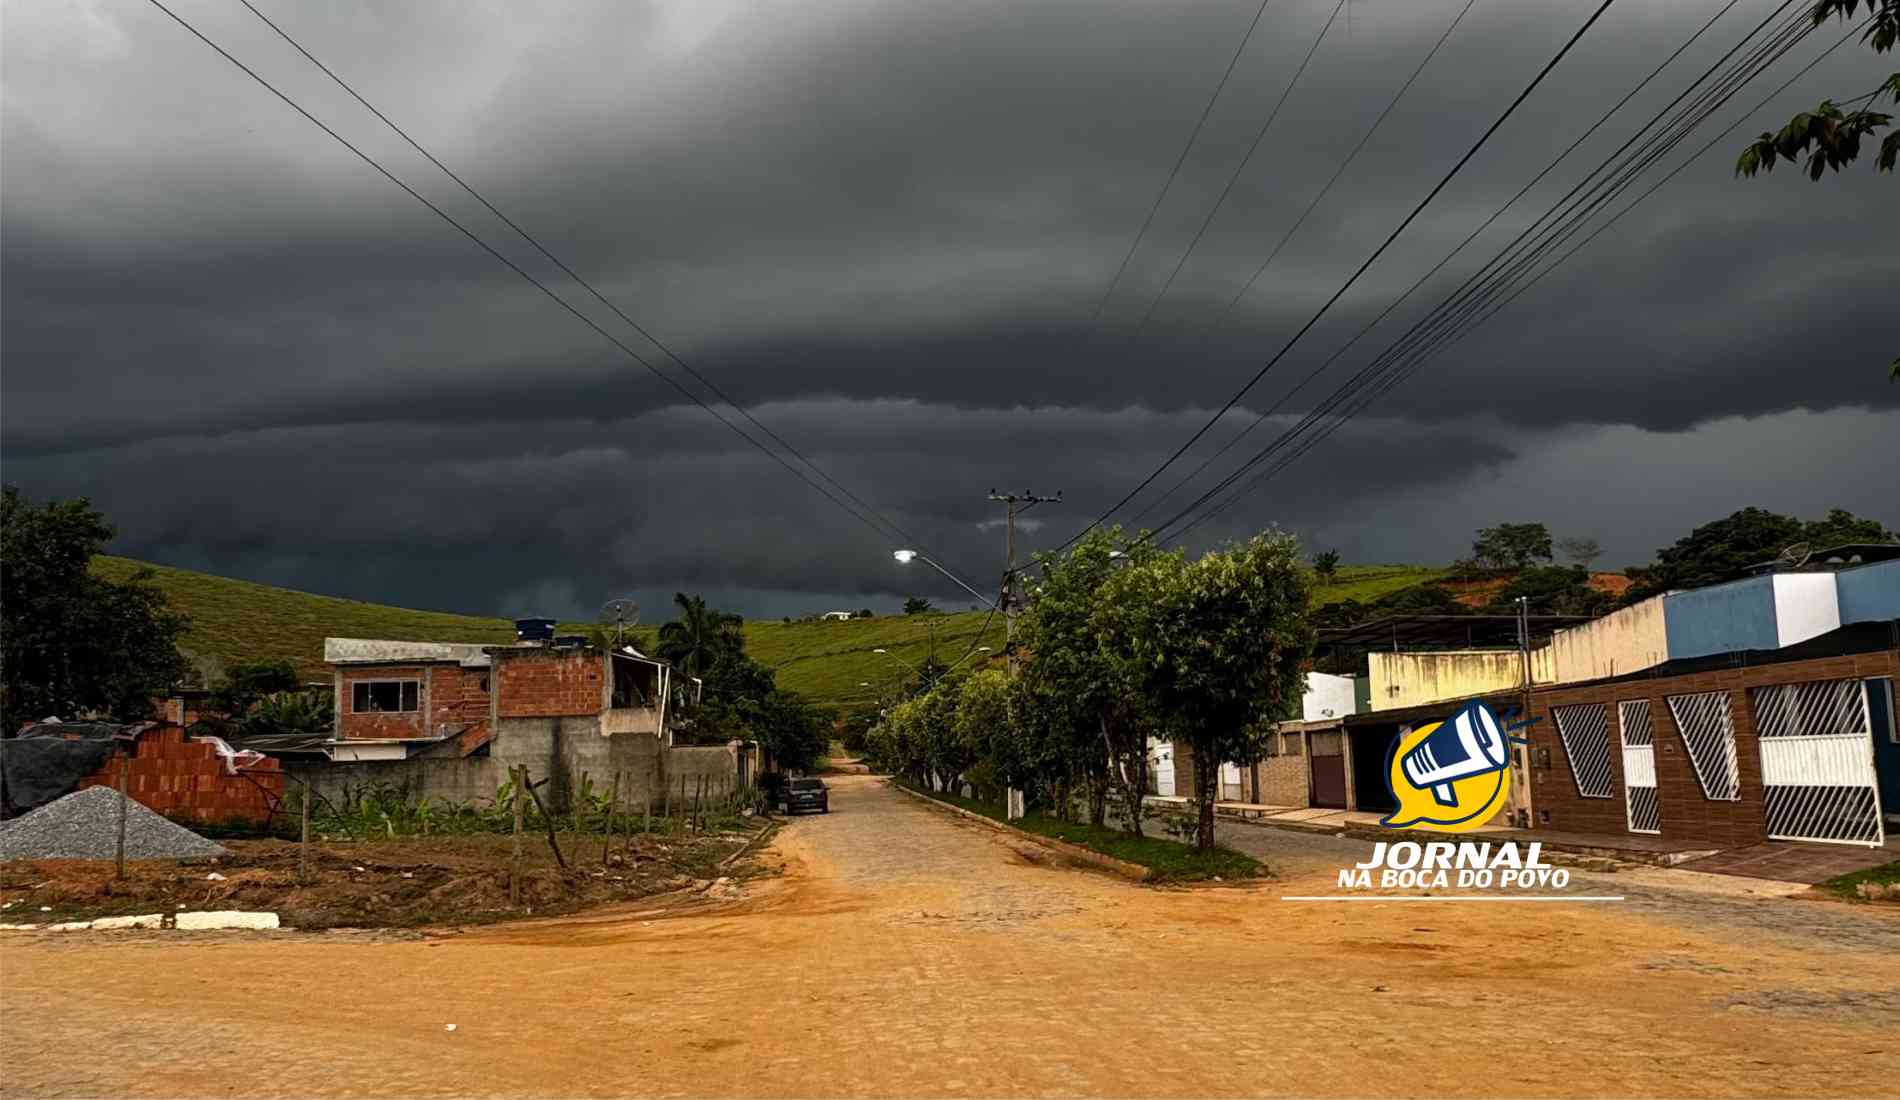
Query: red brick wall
[1687, 815]
[386, 724]
[186, 780]
[449, 698]
[548, 683]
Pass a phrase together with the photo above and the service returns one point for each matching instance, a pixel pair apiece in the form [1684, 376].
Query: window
[1292, 743]
[385, 696]
[808, 784]
[1272, 747]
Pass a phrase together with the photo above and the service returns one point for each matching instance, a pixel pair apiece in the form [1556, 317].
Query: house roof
[1834, 557]
[1443, 630]
[373, 651]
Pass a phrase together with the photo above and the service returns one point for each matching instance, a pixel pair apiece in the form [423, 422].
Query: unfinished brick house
[448, 719]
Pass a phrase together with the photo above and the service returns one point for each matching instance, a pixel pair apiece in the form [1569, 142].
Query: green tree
[1217, 647]
[917, 605]
[694, 641]
[1581, 551]
[1511, 546]
[1089, 714]
[1551, 590]
[1326, 565]
[1722, 550]
[983, 722]
[1830, 135]
[72, 644]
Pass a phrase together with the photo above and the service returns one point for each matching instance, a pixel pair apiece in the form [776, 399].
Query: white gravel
[85, 824]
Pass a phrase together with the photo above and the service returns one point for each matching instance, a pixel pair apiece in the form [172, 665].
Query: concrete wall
[1806, 606]
[1283, 777]
[1722, 619]
[1327, 696]
[1409, 679]
[1870, 593]
[1627, 640]
[560, 749]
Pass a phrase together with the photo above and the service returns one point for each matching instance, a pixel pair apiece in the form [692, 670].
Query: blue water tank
[534, 630]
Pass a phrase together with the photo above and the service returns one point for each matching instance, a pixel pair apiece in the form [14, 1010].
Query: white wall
[1806, 606]
[1327, 696]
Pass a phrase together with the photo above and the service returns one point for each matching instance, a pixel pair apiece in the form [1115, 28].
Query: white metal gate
[1639, 766]
[1817, 763]
[1709, 735]
[1585, 729]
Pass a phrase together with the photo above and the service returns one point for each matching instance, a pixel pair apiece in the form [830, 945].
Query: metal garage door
[1817, 762]
[1709, 735]
[1639, 766]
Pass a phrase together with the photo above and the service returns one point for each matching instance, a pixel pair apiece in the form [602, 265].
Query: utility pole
[1523, 752]
[1014, 505]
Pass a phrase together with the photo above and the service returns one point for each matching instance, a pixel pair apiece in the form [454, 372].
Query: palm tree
[694, 640]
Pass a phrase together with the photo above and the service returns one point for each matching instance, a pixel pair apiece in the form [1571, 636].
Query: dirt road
[901, 952]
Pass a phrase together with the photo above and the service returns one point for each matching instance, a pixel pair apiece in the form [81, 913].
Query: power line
[1234, 177]
[1180, 160]
[1301, 220]
[1422, 350]
[510, 264]
[1478, 231]
[1433, 342]
[1354, 278]
[574, 275]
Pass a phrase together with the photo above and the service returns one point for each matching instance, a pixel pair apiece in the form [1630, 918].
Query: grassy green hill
[234, 620]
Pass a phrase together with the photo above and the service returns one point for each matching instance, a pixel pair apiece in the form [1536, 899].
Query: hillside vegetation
[233, 620]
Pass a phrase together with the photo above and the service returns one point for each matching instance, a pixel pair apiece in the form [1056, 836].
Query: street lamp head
[904, 557]
[880, 651]
[982, 649]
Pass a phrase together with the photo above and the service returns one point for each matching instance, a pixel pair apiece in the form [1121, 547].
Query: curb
[1134, 872]
[1362, 832]
[185, 922]
[771, 829]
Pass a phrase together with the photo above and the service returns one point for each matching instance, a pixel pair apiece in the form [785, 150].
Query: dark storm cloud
[886, 227]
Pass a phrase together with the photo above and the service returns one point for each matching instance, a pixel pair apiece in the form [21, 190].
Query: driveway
[895, 950]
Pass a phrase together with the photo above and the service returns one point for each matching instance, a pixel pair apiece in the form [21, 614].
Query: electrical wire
[1536, 81]
[575, 276]
[1764, 56]
[1487, 304]
[1180, 160]
[874, 524]
[1234, 176]
[1509, 203]
[1301, 220]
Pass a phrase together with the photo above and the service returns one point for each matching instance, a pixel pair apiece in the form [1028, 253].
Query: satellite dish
[619, 615]
[1794, 557]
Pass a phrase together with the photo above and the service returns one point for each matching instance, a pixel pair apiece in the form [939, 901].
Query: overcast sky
[884, 227]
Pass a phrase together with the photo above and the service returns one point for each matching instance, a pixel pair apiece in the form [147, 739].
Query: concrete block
[144, 920]
[225, 918]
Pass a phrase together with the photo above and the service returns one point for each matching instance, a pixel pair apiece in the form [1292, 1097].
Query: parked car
[802, 795]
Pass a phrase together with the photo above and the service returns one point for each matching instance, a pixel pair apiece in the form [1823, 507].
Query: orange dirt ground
[899, 952]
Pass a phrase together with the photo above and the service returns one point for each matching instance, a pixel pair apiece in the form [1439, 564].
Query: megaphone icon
[1468, 743]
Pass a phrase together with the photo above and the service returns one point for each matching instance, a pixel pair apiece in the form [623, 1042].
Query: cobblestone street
[894, 950]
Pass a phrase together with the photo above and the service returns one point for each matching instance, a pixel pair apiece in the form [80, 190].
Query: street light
[905, 557]
[967, 656]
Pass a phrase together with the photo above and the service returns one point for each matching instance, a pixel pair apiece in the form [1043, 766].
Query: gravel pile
[85, 825]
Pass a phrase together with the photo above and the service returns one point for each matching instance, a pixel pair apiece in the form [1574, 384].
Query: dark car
[802, 795]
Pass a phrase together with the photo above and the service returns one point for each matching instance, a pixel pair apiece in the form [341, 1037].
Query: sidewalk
[1639, 849]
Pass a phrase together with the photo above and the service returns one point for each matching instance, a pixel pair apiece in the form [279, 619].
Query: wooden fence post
[303, 842]
[125, 772]
[607, 841]
[517, 773]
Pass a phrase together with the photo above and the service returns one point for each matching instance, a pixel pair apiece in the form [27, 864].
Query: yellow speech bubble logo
[1450, 776]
